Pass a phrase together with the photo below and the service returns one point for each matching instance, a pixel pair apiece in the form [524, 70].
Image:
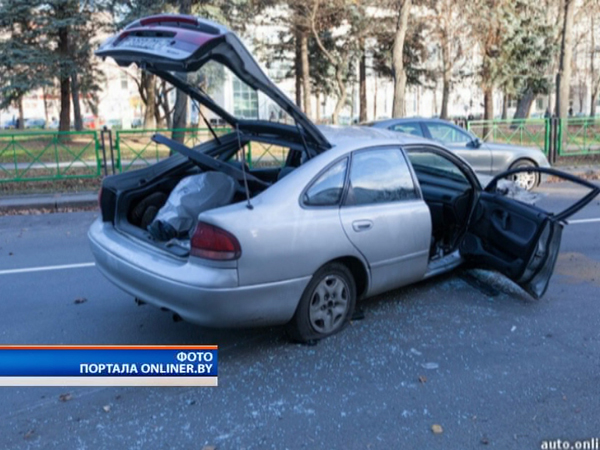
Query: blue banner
[108, 361]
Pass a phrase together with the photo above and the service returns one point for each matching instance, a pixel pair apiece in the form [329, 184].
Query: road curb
[53, 202]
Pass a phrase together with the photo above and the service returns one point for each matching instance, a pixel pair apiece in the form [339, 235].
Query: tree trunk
[21, 123]
[65, 104]
[446, 76]
[445, 96]
[341, 101]
[524, 104]
[46, 114]
[362, 82]
[488, 103]
[180, 113]
[76, 104]
[181, 98]
[595, 83]
[488, 108]
[65, 81]
[564, 69]
[318, 112]
[375, 100]
[149, 98]
[505, 99]
[298, 68]
[399, 107]
[164, 104]
[305, 75]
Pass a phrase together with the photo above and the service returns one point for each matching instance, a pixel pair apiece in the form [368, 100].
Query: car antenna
[206, 121]
[243, 148]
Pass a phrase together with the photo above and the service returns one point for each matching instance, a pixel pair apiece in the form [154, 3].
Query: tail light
[214, 243]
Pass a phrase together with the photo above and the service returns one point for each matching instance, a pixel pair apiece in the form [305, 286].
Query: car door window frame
[417, 188]
[428, 134]
[417, 123]
[316, 178]
[462, 165]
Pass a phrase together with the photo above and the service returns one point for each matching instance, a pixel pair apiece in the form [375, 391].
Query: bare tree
[338, 59]
[449, 26]
[403, 10]
[594, 52]
[563, 78]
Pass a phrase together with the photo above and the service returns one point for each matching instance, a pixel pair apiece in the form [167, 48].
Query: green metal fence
[134, 149]
[579, 137]
[49, 155]
[52, 155]
[523, 132]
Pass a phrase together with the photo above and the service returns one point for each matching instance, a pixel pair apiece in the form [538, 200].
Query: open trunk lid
[164, 44]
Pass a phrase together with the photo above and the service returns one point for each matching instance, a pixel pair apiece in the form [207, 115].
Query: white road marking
[44, 268]
[575, 222]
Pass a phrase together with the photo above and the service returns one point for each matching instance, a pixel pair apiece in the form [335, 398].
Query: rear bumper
[204, 295]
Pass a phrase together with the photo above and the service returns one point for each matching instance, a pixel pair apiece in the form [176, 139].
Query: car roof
[386, 123]
[355, 137]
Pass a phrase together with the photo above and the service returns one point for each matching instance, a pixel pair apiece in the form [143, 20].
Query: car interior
[449, 195]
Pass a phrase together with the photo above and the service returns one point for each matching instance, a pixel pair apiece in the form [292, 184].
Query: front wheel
[525, 180]
[326, 304]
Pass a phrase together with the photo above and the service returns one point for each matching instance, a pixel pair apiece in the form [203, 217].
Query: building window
[245, 100]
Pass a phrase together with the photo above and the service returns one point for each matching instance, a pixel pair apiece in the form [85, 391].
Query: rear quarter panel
[280, 239]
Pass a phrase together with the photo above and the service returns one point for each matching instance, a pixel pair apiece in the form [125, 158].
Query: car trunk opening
[132, 200]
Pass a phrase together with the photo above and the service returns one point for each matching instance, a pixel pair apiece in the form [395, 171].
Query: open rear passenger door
[519, 240]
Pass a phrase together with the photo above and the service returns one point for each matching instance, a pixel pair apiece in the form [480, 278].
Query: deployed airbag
[191, 196]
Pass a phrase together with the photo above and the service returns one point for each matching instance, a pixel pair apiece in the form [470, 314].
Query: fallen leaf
[485, 441]
[106, 408]
[422, 379]
[80, 300]
[65, 397]
[437, 429]
[28, 434]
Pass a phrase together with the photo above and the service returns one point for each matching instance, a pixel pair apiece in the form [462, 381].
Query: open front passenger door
[519, 240]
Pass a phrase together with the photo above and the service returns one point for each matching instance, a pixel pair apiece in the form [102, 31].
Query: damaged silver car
[352, 213]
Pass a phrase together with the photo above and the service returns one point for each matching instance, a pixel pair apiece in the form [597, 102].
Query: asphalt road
[510, 371]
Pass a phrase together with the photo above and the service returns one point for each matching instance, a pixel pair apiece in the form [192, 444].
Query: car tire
[326, 305]
[156, 200]
[525, 180]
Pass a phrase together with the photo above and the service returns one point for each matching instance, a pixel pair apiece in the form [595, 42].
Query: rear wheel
[326, 305]
[525, 180]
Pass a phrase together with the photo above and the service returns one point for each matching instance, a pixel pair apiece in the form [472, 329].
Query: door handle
[362, 225]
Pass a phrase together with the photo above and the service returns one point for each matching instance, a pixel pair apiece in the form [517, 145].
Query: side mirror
[475, 143]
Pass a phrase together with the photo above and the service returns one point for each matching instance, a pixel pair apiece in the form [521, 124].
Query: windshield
[235, 96]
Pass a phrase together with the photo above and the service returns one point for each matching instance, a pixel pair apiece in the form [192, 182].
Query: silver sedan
[353, 212]
[488, 158]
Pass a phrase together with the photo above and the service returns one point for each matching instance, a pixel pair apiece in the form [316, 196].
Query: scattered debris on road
[437, 429]
[65, 397]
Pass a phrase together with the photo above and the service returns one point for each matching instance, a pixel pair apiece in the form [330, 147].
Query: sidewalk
[49, 201]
